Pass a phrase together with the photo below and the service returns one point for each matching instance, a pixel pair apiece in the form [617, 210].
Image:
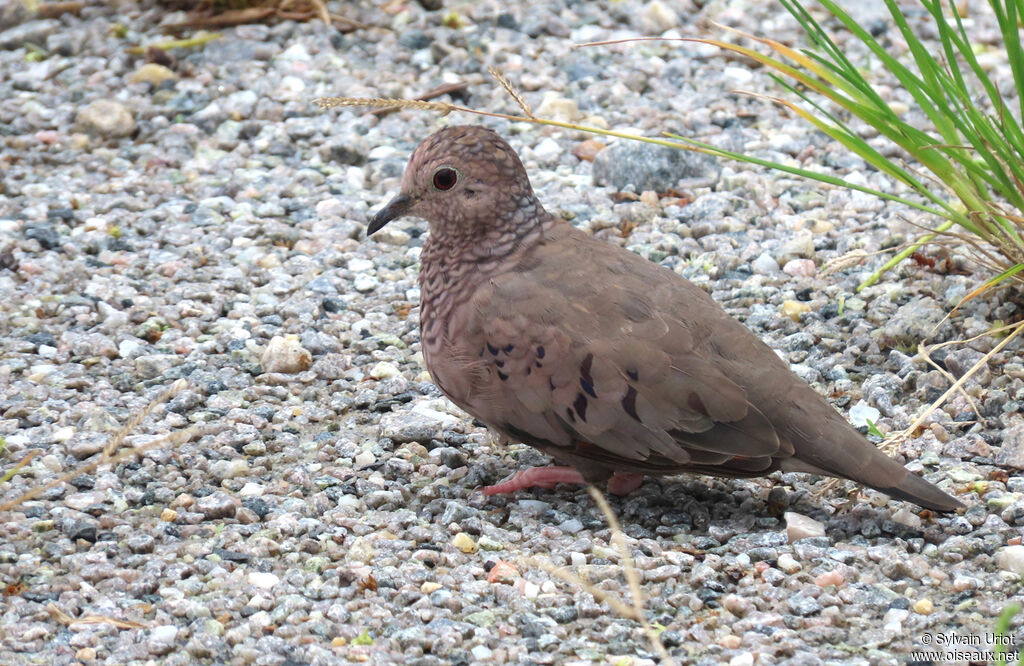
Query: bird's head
[466, 181]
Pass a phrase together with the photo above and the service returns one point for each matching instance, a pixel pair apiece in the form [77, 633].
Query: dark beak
[396, 208]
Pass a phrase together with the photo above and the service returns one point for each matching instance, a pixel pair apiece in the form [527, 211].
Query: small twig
[632, 578]
[198, 40]
[321, 10]
[445, 108]
[172, 391]
[109, 457]
[12, 472]
[923, 349]
[890, 445]
[58, 9]
[65, 619]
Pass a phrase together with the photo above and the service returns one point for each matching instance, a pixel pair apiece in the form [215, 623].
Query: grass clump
[966, 159]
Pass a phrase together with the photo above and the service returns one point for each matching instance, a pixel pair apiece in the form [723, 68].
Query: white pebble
[907, 517]
[742, 659]
[548, 150]
[799, 526]
[384, 370]
[285, 354]
[365, 459]
[862, 412]
[788, 564]
[765, 264]
[263, 580]
[359, 265]
[1011, 559]
[251, 489]
[364, 283]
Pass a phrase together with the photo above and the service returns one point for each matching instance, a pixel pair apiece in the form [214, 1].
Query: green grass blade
[805, 173]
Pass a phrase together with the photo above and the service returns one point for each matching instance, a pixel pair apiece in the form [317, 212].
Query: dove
[613, 365]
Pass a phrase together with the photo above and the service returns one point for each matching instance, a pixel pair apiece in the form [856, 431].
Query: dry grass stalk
[512, 91]
[893, 442]
[633, 611]
[890, 445]
[111, 455]
[65, 619]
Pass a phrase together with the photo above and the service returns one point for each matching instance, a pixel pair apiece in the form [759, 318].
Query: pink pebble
[800, 267]
[48, 137]
[829, 578]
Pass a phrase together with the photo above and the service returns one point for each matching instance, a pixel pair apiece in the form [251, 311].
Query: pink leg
[535, 477]
[621, 483]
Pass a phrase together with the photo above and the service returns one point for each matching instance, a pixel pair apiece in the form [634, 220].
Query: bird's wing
[594, 350]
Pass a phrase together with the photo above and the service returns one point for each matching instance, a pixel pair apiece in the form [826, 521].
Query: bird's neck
[454, 263]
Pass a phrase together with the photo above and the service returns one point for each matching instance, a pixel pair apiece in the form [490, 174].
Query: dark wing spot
[551, 384]
[629, 403]
[492, 349]
[586, 381]
[696, 404]
[585, 368]
[538, 364]
[500, 364]
[568, 412]
[528, 370]
[502, 376]
[633, 374]
[581, 406]
[508, 349]
[540, 352]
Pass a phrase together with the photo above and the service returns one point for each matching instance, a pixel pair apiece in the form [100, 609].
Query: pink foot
[621, 483]
[535, 477]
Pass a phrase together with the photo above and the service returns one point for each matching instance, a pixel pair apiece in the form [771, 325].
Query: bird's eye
[445, 178]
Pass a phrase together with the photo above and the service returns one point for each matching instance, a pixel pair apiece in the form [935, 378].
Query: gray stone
[1011, 452]
[649, 167]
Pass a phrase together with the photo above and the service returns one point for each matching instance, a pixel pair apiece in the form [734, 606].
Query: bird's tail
[858, 460]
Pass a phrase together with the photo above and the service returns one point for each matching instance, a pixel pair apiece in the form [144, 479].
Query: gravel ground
[203, 221]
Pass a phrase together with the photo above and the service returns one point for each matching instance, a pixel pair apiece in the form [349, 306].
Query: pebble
[765, 264]
[153, 74]
[588, 150]
[647, 166]
[799, 527]
[1011, 452]
[656, 17]
[862, 412]
[162, 639]
[106, 118]
[548, 150]
[464, 542]
[788, 564]
[286, 355]
[1011, 558]
[800, 268]
[263, 580]
[384, 370]
[795, 309]
[557, 107]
